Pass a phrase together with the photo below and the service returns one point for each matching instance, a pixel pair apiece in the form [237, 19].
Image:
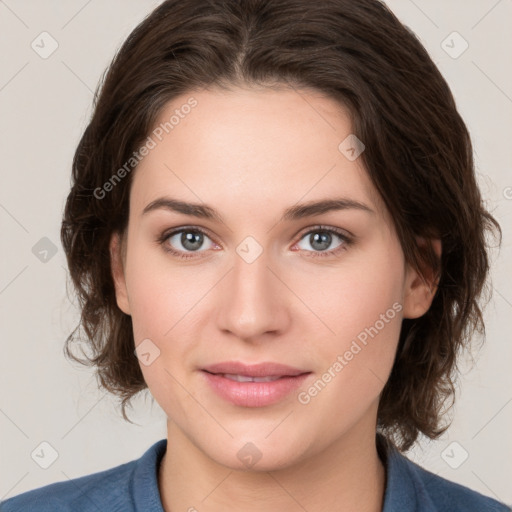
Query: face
[322, 291]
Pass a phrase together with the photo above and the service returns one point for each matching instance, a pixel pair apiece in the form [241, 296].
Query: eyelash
[347, 241]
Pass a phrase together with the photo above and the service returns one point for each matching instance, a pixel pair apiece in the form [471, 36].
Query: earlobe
[117, 270]
[420, 288]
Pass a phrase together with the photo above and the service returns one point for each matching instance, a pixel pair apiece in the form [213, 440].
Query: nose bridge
[252, 304]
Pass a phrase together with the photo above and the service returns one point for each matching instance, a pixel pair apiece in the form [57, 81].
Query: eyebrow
[295, 212]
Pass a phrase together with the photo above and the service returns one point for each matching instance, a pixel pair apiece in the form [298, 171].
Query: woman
[275, 226]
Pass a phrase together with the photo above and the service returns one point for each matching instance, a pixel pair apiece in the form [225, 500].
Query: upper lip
[266, 369]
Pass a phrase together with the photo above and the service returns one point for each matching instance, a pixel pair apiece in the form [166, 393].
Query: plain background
[45, 105]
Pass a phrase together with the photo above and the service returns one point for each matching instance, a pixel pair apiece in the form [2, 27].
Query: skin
[251, 153]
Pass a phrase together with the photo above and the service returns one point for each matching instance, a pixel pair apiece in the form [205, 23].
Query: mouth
[247, 378]
[253, 385]
[261, 370]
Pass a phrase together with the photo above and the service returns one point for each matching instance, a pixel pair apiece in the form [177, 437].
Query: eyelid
[173, 231]
[324, 227]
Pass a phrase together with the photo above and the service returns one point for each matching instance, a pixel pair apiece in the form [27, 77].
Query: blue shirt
[133, 487]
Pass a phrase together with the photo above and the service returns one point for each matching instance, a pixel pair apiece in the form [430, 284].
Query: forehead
[259, 146]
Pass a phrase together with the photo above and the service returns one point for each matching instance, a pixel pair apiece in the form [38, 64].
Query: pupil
[191, 241]
[324, 238]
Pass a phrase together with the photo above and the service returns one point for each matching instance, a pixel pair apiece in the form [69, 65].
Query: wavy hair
[418, 156]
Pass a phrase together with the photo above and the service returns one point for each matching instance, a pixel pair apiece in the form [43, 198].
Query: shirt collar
[144, 484]
[403, 491]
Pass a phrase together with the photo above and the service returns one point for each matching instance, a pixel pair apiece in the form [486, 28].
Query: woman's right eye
[184, 242]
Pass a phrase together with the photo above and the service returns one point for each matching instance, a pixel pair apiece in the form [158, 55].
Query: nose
[253, 301]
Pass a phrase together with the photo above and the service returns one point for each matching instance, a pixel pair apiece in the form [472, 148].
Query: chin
[268, 462]
[257, 454]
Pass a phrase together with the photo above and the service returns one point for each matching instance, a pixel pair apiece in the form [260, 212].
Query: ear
[420, 289]
[117, 270]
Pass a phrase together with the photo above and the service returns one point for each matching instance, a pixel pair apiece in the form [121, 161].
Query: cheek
[161, 295]
[162, 300]
[355, 361]
[361, 305]
[354, 295]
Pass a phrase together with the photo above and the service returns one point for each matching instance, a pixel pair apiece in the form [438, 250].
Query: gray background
[45, 104]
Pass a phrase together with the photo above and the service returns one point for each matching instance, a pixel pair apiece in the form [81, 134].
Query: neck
[347, 476]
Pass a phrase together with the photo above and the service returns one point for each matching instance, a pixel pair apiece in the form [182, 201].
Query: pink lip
[267, 369]
[254, 394]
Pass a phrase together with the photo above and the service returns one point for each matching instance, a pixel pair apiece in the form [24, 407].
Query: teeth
[244, 378]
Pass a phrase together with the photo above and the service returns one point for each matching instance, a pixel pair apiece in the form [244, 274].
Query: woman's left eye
[321, 238]
[193, 239]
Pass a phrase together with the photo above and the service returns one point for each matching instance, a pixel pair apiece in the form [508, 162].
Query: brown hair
[418, 155]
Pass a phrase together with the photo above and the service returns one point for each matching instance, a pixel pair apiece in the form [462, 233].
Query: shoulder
[434, 493]
[448, 495]
[90, 492]
[114, 489]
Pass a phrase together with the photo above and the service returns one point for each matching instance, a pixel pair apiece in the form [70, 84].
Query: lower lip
[253, 394]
